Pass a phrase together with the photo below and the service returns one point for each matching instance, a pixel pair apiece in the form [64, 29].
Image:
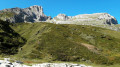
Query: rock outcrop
[86, 19]
[30, 14]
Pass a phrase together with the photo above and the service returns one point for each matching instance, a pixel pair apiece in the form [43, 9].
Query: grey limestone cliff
[31, 14]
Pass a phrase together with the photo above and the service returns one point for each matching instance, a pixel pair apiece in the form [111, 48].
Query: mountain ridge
[35, 14]
[86, 19]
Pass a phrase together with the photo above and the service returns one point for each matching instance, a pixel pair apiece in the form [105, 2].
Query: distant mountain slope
[103, 20]
[69, 43]
[86, 19]
[10, 41]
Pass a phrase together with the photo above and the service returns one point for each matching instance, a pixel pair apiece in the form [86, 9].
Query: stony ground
[7, 63]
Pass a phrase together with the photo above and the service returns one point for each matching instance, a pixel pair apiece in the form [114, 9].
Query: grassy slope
[64, 43]
[10, 41]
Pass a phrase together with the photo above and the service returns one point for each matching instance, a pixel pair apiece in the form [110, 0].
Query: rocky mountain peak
[62, 17]
[36, 9]
[35, 6]
[31, 14]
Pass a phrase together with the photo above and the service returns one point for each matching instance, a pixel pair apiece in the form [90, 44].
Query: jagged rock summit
[31, 14]
[86, 19]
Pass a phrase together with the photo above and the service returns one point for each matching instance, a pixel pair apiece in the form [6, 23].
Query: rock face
[30, 14]
[86, 19]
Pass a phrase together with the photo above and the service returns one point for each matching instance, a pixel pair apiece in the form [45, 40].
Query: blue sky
[68, 7]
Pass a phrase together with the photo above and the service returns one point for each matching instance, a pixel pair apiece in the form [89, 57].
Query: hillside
[65, 42]
[10, 41]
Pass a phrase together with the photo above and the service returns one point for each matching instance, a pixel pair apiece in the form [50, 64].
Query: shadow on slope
[10, 41]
